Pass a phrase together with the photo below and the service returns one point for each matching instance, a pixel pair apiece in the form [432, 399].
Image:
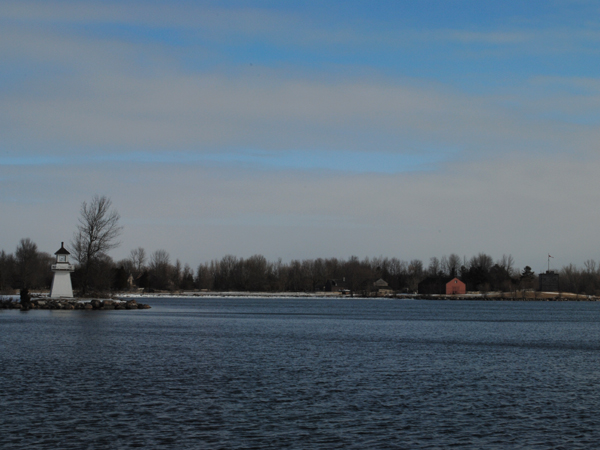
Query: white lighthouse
[61, 283]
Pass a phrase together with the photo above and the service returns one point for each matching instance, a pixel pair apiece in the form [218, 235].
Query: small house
[456, 287]
[381, 288]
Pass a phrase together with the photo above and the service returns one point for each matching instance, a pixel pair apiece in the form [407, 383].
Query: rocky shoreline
[72, 304]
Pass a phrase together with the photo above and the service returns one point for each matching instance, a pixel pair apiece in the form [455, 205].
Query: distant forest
[29, 268]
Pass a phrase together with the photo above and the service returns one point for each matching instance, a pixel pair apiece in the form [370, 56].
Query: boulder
[131, 304]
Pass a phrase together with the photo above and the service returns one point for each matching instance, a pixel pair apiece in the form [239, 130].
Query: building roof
[457, 279]
[380, 283]
[62, 250]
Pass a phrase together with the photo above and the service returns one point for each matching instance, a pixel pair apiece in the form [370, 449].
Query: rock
[131, 304]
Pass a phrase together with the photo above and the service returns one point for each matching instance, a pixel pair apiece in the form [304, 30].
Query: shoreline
[128, 301]
[495, 296]
[71, 304]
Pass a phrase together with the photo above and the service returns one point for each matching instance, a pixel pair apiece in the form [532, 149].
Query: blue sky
[305, 129]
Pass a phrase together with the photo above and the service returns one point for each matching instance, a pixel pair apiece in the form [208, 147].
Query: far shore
[489, 296]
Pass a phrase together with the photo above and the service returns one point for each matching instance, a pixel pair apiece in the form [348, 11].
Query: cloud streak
[205, 113]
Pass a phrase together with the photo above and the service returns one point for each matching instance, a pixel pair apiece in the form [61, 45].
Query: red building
[455, 287]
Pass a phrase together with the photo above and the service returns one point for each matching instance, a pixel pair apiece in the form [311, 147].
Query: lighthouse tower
[61, 283]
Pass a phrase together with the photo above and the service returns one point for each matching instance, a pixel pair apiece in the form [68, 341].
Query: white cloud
[112, 105]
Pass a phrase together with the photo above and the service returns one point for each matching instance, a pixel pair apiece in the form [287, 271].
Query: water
[302, 373]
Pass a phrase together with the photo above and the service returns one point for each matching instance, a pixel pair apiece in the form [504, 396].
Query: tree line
[30, 268]
[98, 229]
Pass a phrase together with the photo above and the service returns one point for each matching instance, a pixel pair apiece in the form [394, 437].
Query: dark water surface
[302, 373]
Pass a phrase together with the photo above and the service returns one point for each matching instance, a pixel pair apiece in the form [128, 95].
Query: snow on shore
[235, 295]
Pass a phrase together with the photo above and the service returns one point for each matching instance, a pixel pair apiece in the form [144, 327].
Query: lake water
[302, 373]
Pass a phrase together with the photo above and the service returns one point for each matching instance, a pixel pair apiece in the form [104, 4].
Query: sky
[305, 129]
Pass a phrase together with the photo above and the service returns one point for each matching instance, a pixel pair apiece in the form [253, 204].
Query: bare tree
[175, 278]
[32, 267]
[434, 267]
[482, 262]
[415, 274]
[137, 256]
[256, 273]
[7, 269]
[96, 234]
[187, 278]
[507, 263]
[590, 266]
[160, 269]
[453, 264]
